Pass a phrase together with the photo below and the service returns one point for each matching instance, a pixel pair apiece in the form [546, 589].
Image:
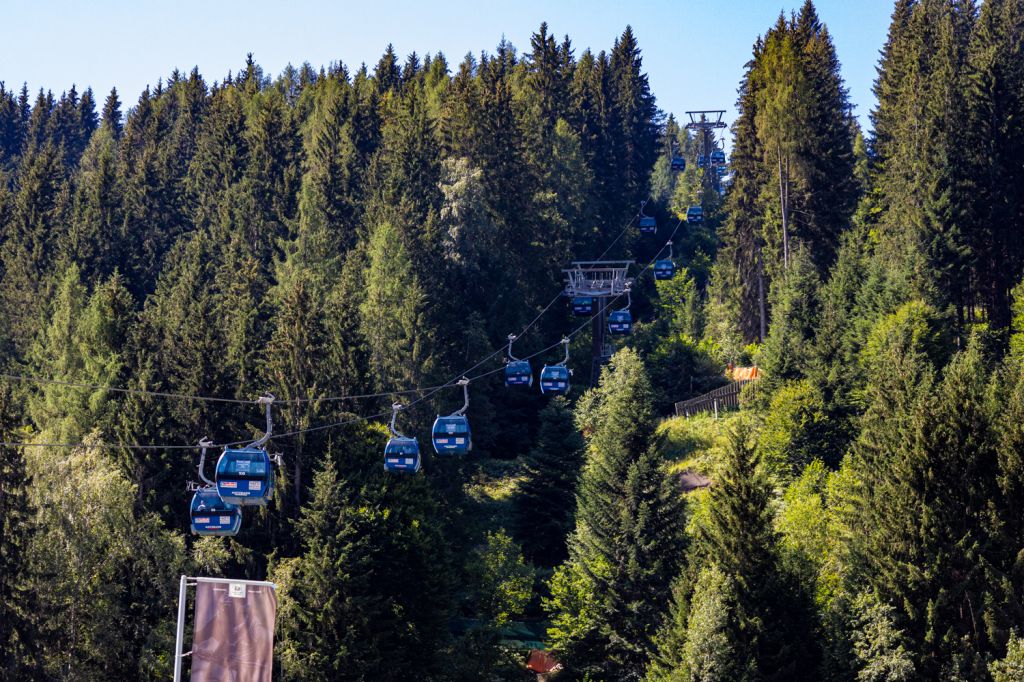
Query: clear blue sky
[693, 51]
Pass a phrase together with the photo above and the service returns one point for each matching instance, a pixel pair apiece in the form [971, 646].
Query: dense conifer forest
[347, 238]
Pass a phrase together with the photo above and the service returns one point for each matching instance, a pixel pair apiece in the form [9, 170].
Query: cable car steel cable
[332, 425]
[429, 392]
[202, 398]
[291, 401]
[624, 229]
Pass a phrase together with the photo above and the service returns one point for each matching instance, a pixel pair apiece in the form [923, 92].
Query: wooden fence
[724, 398]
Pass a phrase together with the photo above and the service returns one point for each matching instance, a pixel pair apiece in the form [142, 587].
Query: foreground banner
[234, 632]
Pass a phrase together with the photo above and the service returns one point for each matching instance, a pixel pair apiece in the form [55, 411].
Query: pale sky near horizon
[693, 52]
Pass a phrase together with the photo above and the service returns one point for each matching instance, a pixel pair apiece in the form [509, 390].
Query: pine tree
[544, 503]
[368, 596]
[30, 237]
[738, 288]
[772, 636]
[994, 98]
[17, 599]
[649, 557]
[927, 463]
[388, 74]
[795, 317]
[111, 117]
[92, 242]
[922, 170]
[635, 112]
[391, 312]
[698, 642]
[79, 345]
[326, 227]
[782, 89]
[626, 545]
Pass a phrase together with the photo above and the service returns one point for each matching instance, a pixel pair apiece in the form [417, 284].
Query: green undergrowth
[694, 443]
[491, 488]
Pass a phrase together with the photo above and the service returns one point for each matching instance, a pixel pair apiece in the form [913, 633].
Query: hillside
[523, 247]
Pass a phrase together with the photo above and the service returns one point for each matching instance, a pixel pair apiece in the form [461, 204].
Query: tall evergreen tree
[545, 504]
[625, 548]
[17, 608]
[771, 637]
[994, 98]
[349, 609]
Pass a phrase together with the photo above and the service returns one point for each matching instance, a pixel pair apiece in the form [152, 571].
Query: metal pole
[179, 641]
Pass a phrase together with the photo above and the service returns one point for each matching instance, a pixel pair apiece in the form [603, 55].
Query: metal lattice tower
[602, 280]
[706, 122]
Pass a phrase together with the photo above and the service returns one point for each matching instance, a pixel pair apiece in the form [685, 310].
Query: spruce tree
[368, 595]
[17, 598]
[93, 239]
[626, 545]
[544, 503]
[648, 558]
[995, 84]
[110, 118]
[774, 621]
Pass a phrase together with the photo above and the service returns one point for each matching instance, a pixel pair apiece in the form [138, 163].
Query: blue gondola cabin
[648, 225]
[620, 322]
[245, 476]
[664, 269]
[678, 164]
[554, 379]
[451, 435]
[402, 455]
[695, 215]
[212, 515]
[518, 373]
[582, 305]
[718, 157]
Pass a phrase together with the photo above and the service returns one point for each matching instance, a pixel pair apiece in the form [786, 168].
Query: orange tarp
[745, 373]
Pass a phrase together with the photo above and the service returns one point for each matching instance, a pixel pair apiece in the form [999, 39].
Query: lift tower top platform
[706, 119]
[597, 278]
[604, 280]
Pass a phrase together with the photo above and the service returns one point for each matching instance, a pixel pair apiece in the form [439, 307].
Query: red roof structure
[541, 662]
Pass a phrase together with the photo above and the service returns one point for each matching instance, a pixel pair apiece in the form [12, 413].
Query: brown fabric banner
[234, 632]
